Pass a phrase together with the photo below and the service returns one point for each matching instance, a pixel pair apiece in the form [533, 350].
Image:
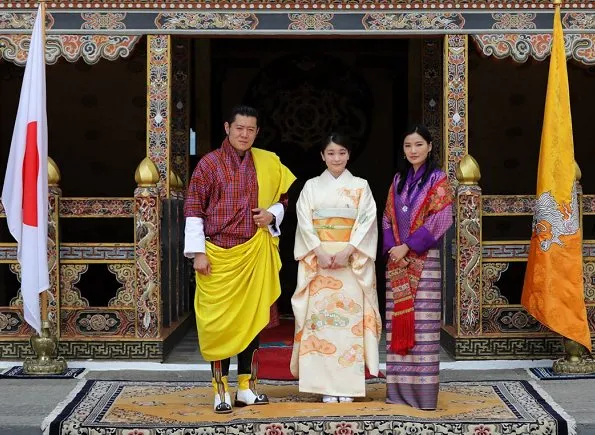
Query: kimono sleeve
[306, 237]
[364, 236]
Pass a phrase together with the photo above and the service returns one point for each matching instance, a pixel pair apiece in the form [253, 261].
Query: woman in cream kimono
[337, 322]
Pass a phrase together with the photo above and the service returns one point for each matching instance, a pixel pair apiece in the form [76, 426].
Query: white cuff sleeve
[194, 237]
[279, 212]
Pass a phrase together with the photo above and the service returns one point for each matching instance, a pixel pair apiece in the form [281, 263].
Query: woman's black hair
[405, 166]
[339, 139]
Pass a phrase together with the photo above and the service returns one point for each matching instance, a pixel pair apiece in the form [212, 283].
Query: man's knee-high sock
[219, 380]
[224, 367]
[245, 357]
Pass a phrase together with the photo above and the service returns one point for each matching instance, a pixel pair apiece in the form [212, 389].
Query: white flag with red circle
[25, 189]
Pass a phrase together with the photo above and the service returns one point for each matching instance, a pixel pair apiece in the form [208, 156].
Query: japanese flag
[25, 189]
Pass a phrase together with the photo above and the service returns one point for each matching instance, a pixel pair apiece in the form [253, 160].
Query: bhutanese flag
[25, 189]
[553, 292]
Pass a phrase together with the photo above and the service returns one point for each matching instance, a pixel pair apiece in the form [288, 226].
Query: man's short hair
[243, 110]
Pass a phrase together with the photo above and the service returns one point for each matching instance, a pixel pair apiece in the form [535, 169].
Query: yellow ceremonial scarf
[232, 304]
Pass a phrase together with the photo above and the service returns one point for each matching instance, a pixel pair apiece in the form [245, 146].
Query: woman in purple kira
[418, 213]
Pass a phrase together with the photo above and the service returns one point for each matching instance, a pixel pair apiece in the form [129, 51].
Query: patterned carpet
[17, 372]
[547, 374]
[177, 408]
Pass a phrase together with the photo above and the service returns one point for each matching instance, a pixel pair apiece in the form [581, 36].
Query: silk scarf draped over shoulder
[404, 275]
[244, 279]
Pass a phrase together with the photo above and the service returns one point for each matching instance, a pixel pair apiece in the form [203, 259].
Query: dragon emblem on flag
[552, 221]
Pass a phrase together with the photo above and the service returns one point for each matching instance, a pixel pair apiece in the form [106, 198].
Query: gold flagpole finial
[557, 2]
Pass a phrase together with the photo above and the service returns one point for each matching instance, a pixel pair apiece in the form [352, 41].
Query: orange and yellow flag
[553, 292]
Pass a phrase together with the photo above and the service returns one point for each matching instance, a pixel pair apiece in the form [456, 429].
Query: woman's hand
[342, 257]
[397, 253]
[325, 260]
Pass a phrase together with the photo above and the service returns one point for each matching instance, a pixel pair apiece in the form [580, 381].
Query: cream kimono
[337, 322]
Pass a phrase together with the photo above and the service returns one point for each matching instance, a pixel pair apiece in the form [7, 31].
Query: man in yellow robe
[235, 203]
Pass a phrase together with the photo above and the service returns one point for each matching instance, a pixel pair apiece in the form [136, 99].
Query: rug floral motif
[180, 408]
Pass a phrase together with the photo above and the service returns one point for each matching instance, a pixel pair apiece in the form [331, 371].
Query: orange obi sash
[334, 224]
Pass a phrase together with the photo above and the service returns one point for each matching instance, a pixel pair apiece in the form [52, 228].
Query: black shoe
[261, 399]
[223, 408]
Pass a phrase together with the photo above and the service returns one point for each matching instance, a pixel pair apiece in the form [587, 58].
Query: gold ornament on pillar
[146, 174]
[468, 171]
[577, 172]
[53, 173]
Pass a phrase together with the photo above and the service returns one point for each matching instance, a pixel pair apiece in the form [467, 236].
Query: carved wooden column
[154, 177]
[147, 250]
[456, 67]
[468, 242]
[463, 172]
[159, 108]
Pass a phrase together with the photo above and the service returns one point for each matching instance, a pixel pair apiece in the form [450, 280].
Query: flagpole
[577, 359]
[576, 356]
[43, 297]
[45, 345]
